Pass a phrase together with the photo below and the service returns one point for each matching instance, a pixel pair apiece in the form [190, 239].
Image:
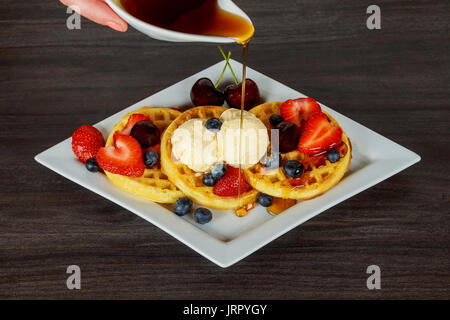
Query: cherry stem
[224, 68]
[228, 64]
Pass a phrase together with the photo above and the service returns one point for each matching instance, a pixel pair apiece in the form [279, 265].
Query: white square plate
[227, 238]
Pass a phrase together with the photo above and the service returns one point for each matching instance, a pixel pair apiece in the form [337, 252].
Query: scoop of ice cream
[233, 114]
[195, 146]
[254, 138]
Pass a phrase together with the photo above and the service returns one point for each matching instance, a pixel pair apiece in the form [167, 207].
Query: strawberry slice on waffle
[319, 135]
[229, 184]
[298, 110]
[125, 158]
[132, 120]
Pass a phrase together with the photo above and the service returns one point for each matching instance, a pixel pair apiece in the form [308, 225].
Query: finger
[99, 12]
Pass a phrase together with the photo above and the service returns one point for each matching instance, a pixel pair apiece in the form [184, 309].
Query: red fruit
[132, 120]
[296, 110]
[204, 93]
[229, 184]
[146, 133]
[233, 95]
[116, 134]
[86, 141]
[124, 159]
[289, 134]
[319, 135]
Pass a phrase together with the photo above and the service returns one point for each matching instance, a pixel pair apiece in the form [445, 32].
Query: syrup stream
[244, 74]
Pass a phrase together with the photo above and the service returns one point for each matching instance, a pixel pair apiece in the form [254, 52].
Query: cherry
[146, 133]
[289, 135]
[233, 94]
[203, 93]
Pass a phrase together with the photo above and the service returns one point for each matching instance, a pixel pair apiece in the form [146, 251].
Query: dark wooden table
[394, 80]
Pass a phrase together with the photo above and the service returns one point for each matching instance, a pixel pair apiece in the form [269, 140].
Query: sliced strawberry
[319, 135]
[86, 141]
[296, 110]
[132, 120]
[116, 134]
[230, 184]
[124, 159]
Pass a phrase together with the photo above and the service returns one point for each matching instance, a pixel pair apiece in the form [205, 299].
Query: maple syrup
[203, 17]
[244, 76]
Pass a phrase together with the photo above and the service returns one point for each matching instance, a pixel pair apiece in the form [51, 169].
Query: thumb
[99, 12]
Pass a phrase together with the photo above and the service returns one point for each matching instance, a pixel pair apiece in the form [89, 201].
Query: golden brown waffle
[319, 175]
[188, 180]
[153, 184]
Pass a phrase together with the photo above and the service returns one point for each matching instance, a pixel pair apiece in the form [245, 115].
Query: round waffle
[153, 184]
[189, 181]
[319, 175]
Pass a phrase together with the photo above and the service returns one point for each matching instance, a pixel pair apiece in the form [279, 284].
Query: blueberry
[150, 158]
[333, 155]
[92, 165]
[293, 168]
[271, 160]
[218, 171]
[208, 180]
[265, 200]
[275, 119]
[202, 215]
[183, 206]
[213, 124]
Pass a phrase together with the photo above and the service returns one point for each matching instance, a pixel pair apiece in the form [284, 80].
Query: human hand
[99, 12]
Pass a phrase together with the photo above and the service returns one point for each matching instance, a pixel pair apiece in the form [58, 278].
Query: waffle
[319, 175]
[153, 184]
[188, 180]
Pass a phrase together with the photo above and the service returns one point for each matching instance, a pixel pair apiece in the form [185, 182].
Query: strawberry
[116, 134]
[319, 135]
[229, 184]
[86, 141]
[124, 159]
[132, 120]
[296, 110]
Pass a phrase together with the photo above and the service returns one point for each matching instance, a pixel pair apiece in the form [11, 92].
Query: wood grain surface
[394, 81]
